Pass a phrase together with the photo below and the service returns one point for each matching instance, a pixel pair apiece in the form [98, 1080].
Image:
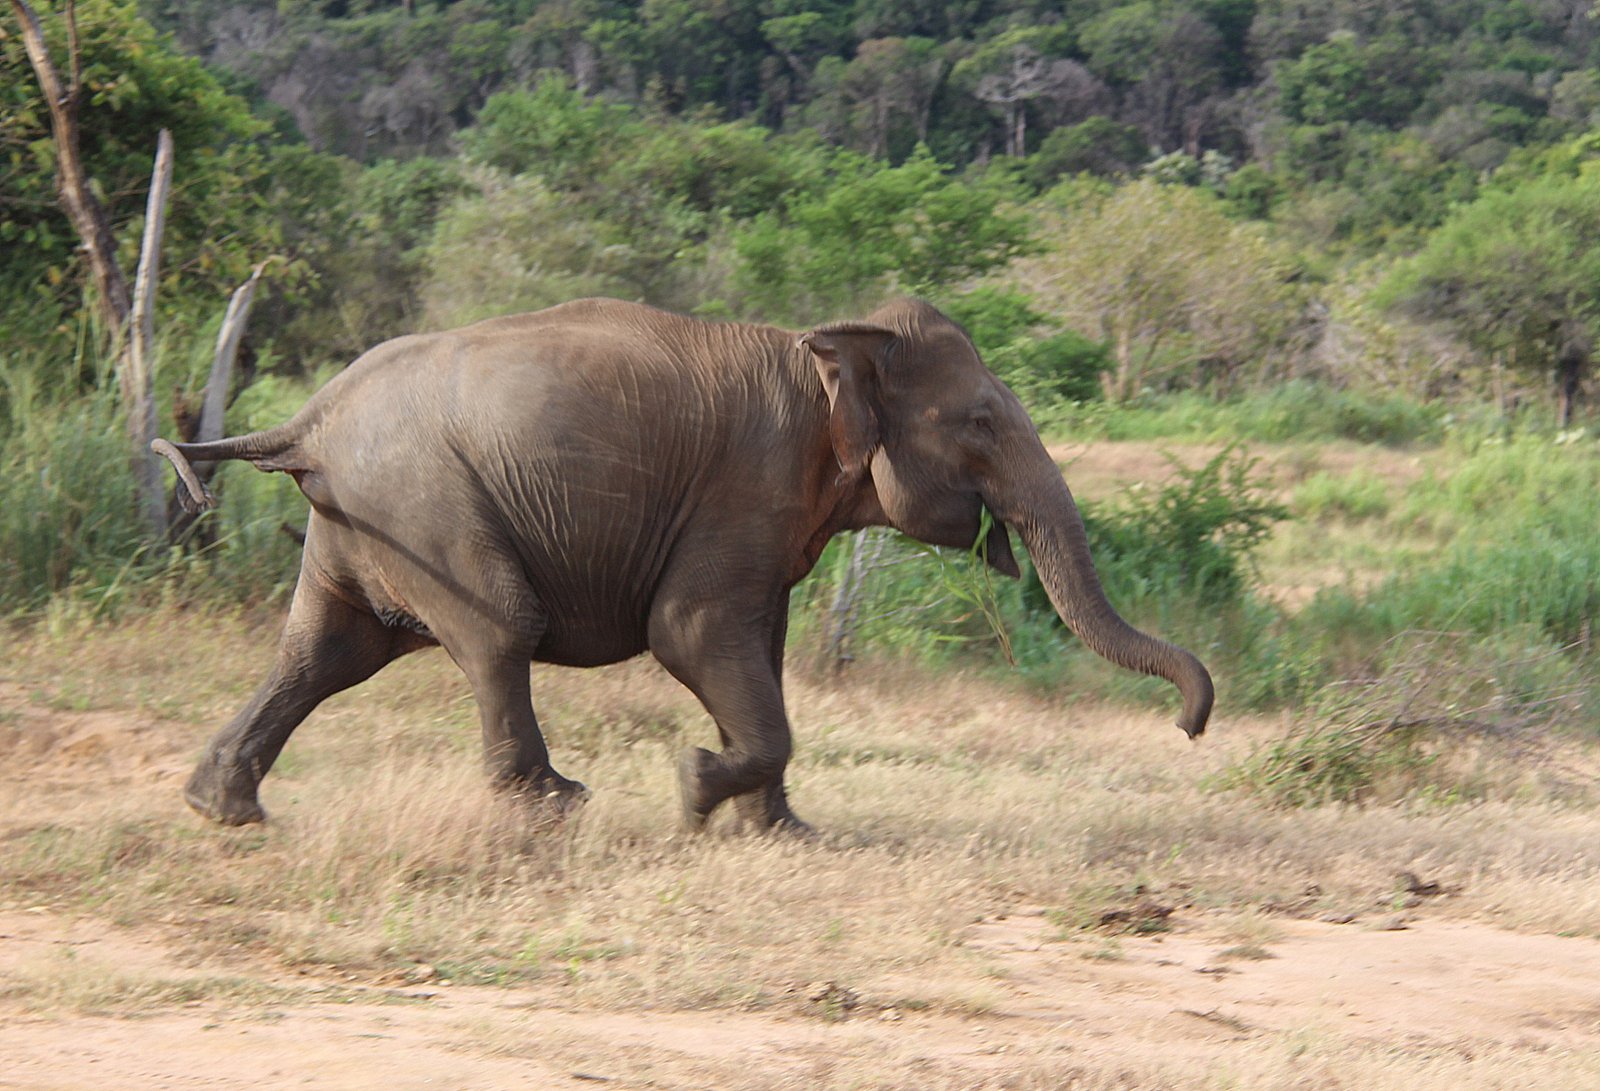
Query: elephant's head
[915, 411]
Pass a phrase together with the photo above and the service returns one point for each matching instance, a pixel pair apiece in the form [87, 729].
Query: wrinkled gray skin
[582, 484]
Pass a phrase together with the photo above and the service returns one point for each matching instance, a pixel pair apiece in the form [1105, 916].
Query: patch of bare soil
[1102, 468]
[1432, 983]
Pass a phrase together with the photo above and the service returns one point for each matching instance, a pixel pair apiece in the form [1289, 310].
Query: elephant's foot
[552, 793]
[698, 802]
[766, 810]
[229, 800]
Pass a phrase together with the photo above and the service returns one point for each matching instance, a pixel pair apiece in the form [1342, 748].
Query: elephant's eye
[982, 424]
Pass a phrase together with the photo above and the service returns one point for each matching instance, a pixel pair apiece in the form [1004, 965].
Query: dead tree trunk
[136, 373]
[214, 399]
[221, 377]
[866, 550]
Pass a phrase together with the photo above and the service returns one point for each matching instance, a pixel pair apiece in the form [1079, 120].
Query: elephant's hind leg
[494, 654]
[327, 646]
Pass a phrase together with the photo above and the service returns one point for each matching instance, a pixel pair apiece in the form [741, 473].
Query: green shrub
[1190, 540]
[1394, 731]
[1064, 367]
[993, 316]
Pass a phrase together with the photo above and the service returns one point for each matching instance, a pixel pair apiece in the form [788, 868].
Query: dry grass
[942, 801]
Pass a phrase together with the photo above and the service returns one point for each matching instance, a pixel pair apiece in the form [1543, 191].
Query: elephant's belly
[572, 642]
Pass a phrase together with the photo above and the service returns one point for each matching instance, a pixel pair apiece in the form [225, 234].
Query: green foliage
[1515, 273]
[1346, 80]
[1355, 496]
[517, 245]
[67, 516]
[68, 523]
[1097, 145]
[1296, 411]
[1045, 372]
[1162, 275]
[871, 228]
[136, 83]
[1042, 368]
[1518, 549]
[993, 315]
[553, 131]
[1190, 540]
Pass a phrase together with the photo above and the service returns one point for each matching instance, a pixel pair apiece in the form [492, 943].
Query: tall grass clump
[1352, 497]
[67, 511]
[69, 524]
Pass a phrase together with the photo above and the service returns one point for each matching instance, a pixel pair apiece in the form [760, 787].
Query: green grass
[1297, 411]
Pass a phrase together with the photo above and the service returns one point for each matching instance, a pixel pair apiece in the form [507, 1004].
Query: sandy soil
[1415, 981]
[1426, 983]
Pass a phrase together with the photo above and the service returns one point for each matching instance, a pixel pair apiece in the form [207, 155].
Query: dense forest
[1363, 171]
[1268, 220]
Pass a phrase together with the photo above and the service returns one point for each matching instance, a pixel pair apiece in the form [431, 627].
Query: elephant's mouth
[995, 548]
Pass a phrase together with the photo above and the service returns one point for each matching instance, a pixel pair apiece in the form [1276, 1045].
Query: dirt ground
[1429, 982]
[1413, 981]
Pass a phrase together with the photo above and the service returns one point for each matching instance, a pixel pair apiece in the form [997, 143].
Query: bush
[1188, 541]
[1065, 367]
[1397, 731]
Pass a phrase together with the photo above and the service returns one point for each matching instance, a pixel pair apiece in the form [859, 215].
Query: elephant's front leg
[723, 651]
[768, 806]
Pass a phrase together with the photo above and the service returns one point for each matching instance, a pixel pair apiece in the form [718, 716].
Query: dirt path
[1433, 982]
[1101, 468]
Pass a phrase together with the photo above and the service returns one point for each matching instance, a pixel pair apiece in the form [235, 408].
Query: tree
[1167, 62]
[1095, 146]
[1165, 278]
[83, 132]
[893, 80]
[1017, 69]
[869, 227]
[74, 185]
[1516, 273]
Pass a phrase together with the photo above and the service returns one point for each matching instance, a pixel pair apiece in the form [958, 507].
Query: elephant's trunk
[1053, 532]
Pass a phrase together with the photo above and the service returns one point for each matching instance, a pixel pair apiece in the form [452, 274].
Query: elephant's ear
[847, 355]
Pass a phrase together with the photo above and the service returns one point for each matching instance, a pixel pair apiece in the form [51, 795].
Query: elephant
[585, 483]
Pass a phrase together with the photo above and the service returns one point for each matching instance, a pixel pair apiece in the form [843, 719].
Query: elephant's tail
[273, 449]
